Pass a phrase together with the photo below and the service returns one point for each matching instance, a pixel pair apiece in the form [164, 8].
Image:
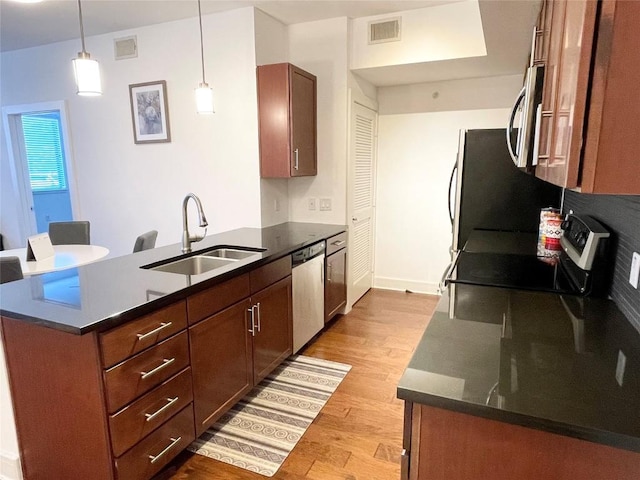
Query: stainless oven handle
[453, 174]
[512, 118]
[446, 277]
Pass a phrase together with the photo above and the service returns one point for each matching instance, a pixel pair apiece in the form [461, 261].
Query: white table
[65, 256]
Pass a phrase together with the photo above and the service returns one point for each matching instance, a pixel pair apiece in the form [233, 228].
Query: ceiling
[507, 25]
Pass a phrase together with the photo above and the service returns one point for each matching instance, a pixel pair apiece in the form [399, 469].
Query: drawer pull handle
[165, 363]
[338, 243]
[163, 325]
[151, 416]
[155, 458]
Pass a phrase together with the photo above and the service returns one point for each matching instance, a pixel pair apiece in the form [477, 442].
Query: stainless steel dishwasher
[308, 293]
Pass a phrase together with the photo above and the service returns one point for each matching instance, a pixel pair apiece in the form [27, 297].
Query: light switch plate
[635, 270]
[325, 204]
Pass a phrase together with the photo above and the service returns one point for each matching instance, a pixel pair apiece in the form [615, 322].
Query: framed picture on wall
[150, 112]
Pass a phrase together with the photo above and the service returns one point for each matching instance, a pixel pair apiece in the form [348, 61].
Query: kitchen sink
[203, 262]
[231, 253]
[193, 265]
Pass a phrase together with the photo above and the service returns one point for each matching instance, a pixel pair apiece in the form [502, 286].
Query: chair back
[69, 233]
[145, 241]
[10, 269]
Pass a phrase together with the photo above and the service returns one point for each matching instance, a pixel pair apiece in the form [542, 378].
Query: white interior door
[362, 159]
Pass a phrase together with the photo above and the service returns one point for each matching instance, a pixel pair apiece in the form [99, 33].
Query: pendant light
[204, 93]
[86, 70]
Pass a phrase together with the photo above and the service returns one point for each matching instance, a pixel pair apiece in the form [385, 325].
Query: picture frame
[150, 112]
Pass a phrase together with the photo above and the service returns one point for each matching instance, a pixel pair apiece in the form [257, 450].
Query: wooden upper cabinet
[590, 116]
[287, 108]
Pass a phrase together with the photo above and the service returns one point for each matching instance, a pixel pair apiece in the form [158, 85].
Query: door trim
[19, 169]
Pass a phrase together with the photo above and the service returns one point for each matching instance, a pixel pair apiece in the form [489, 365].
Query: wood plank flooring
[358, 434]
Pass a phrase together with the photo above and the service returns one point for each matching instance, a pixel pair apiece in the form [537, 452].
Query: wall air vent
[126, 47]
[387, 30]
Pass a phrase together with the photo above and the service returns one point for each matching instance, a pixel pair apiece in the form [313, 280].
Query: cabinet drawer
[336, 242]
[149, 456]
[141, 373]
[137, 335]
[137, 420]
[211, 301]
[270, 273]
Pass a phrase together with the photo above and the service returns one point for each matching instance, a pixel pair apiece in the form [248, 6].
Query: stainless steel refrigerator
[488, 192]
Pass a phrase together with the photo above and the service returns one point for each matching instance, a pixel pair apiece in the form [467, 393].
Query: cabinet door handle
[151, 416]
[295, 161]
[257, 306]
[338, 243]
[253, 326]
[165, 363]
[163, 325]
[174, 441]
[329, 267]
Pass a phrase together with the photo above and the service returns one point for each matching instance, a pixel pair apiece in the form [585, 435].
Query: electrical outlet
[312, 203]
[622, 363]
[635, 268]
[325, 204]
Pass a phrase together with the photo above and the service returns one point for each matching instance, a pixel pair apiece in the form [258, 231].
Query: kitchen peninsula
[118, 381]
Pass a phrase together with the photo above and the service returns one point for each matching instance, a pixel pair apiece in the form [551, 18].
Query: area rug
[260, 431]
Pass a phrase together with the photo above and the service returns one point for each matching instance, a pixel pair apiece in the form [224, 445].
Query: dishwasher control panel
[307, 253]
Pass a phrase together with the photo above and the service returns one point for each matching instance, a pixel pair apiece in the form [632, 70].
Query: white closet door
[362, 156]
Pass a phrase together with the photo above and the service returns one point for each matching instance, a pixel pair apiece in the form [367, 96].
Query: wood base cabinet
[120, 404]
[237, 337]
[335, 285]
[287, 121]
[441, 445]
[272, 331]
[114, 405]
[222, 363]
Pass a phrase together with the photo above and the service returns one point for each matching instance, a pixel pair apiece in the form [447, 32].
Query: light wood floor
[358, 434]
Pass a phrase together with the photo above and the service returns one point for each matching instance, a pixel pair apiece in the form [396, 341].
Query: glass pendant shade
[204, 98]
[87, 73]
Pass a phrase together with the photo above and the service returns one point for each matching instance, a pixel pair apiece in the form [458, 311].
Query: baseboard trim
[402, 285]
[10, 466]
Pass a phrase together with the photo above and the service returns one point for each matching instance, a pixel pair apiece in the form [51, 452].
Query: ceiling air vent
[387, 30]
[126, 47]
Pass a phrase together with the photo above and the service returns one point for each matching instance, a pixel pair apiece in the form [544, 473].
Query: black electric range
[581, 267]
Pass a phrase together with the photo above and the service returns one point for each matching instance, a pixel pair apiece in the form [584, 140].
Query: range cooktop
[525, 272]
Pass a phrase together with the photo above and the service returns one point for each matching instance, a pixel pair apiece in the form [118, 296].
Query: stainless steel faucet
[187, 239]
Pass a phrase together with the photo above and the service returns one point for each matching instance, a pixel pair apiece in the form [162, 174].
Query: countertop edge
[576, 431]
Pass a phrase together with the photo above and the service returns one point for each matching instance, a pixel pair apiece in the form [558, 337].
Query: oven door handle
[446, 277]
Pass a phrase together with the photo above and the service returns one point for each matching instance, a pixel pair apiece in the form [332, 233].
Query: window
[44, 151]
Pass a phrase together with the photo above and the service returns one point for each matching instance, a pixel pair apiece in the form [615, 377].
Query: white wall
[467, 94]
[416, 153]
[126, 189]
[321, 48]
[428, 34]
[272, 46]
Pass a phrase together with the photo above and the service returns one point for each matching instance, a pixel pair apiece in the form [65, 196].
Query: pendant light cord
[82, 28]
[201, 40]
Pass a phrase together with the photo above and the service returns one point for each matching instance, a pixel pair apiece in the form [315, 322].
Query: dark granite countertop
[104, 294]
[559, 363]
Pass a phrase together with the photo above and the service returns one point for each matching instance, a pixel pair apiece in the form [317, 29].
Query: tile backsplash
[621, 215]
